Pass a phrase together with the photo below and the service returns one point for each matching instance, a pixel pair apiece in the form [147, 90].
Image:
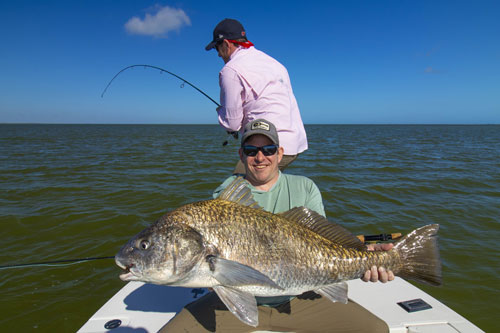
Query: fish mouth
[127, 275]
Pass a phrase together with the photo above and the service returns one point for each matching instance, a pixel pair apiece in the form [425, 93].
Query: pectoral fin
[233, 274]
[335, 292]
[242, 305]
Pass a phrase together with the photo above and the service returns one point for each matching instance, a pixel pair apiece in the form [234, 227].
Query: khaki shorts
[209, 314]
[285, 161]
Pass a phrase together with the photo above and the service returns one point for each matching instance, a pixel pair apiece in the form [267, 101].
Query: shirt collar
[239, 50]
[272, 187]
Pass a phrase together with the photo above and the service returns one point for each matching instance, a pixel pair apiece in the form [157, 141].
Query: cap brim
[210, 46]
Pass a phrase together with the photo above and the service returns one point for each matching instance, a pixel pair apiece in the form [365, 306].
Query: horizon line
[208, 124]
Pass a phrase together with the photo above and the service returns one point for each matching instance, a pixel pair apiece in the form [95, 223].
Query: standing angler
[242, 251]
[254, 85]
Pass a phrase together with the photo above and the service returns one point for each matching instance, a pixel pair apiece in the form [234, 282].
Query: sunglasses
[266, 150]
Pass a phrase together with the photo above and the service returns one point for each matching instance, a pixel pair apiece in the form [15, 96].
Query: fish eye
[144, 244]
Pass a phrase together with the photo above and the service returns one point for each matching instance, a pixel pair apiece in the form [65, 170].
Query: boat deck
[147, 307]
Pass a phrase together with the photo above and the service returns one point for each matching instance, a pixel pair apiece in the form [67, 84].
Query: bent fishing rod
[234, 134]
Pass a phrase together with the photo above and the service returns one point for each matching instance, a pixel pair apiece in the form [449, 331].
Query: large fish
[241, 251]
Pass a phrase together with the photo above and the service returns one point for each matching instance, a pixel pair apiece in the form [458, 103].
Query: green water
[73, 191]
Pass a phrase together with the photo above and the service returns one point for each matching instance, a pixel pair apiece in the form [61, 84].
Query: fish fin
[320, 225]
[419, 252]
[241, 304]
[234, 274]
[238, 191]
[335, 292]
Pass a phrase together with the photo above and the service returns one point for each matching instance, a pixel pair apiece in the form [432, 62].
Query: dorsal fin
[320, 225]
[238, 191]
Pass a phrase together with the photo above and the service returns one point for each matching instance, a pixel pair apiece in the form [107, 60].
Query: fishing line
[234, 134]
[55, 263]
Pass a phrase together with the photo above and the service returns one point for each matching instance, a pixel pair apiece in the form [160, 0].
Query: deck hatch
[414, 305]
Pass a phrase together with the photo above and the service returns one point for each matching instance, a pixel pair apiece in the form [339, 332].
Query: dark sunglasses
[266, 150]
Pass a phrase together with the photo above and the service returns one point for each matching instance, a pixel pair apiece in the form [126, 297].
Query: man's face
[261, 169]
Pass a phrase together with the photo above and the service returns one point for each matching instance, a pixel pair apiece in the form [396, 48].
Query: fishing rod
[161, 70]
[55, 263]
[378, 238]
[233, 134]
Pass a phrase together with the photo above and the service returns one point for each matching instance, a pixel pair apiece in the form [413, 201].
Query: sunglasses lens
[250, 150]
[269, 150]
[266, 150]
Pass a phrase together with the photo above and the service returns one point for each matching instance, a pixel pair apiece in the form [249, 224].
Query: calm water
[72, 191]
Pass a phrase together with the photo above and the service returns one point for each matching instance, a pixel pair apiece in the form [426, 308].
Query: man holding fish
[277, 192]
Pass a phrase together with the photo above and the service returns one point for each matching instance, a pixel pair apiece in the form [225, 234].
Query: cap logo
[221, 36]
[260, 125]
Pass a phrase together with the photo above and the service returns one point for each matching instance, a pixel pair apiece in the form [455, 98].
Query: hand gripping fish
[241, 251]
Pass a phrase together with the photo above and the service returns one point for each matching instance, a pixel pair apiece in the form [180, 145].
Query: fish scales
[283, 250]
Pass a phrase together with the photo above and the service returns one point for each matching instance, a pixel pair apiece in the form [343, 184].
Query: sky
[350, 62]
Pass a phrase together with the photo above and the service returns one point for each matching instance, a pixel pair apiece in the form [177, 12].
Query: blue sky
[350, 62]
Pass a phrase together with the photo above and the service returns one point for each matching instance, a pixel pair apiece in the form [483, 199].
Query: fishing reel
[234, 135]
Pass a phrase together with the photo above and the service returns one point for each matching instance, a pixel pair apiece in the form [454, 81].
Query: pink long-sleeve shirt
[254, 85]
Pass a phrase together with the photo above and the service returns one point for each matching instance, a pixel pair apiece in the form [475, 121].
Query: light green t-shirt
[289, 191]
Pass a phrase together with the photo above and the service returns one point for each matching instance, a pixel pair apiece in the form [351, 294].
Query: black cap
[226, 29]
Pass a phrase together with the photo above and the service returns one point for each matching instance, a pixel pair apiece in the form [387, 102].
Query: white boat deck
[146, 308]
[382, 300]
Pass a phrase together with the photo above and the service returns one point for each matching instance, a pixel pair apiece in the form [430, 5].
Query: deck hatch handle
[414, 305]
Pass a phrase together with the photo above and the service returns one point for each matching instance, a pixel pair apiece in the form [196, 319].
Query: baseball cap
[226, 29]
[260, 126]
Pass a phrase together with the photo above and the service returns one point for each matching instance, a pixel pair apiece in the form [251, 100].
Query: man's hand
[378, 274]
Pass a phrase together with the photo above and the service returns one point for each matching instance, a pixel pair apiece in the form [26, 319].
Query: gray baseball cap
[260, 126]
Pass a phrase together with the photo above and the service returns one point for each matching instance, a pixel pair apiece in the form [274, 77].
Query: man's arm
[231, 110]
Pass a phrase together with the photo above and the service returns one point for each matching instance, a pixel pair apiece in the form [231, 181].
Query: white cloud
[158, 24]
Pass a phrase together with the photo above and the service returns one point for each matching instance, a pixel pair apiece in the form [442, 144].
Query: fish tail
[419, 253]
